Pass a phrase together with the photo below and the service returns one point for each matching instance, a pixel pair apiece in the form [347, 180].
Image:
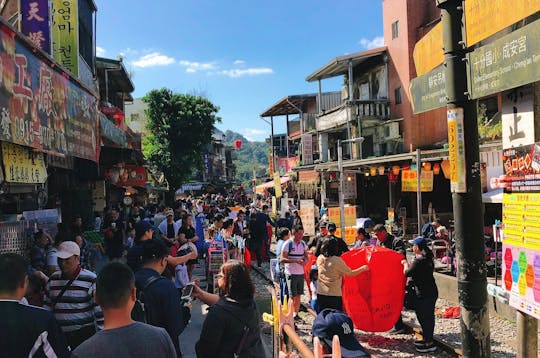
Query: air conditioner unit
[392, 131]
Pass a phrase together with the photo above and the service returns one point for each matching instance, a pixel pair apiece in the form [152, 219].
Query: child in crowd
[313, 282]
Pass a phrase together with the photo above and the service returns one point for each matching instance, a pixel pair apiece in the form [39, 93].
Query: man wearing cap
[144, 232]
[390, 242]
[330, 322]
[69, 294]
[317, 240]
[169, 229]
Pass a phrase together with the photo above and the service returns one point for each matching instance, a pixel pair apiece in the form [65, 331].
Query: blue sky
[242, 55]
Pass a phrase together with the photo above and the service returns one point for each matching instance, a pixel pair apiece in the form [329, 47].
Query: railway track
[444, 348]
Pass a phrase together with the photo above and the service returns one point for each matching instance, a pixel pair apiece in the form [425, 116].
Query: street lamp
[340, 168]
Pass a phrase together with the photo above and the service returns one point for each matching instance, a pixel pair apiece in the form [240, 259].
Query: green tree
[180, 126]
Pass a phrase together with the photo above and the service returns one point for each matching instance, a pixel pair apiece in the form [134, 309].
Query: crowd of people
[73, 297]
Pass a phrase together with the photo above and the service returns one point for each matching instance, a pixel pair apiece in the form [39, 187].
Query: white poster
[518, 117]
[307, 213]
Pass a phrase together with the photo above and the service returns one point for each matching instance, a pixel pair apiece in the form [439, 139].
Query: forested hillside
[252, 155]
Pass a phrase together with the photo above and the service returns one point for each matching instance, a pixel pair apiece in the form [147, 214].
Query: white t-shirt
[313, 289]
[294, 251]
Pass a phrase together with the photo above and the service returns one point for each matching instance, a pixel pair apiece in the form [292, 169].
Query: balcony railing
[373, 109]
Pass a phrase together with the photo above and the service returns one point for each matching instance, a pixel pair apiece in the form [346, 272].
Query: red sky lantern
[238, 144]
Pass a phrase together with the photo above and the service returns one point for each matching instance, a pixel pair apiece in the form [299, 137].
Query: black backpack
[139, 311]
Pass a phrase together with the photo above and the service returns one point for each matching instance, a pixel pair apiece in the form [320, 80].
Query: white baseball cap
[68, 249]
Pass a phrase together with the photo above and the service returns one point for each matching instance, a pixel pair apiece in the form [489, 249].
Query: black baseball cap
[330, 322]
[331, 226]
[323, 225]
[142, 227]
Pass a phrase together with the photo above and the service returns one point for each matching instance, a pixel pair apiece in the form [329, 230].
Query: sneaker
[419, 342]
[395, 330]
[426, 348]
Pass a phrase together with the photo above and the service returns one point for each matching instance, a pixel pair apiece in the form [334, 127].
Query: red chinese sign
[40, 107]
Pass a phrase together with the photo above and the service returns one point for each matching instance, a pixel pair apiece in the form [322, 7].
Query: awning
[259, 189]
[190, 187]
[366, 162]
[333, 119]
[340, 65]
[493, 196]
[288, 105]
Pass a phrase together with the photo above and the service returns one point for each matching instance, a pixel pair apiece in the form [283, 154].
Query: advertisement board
[307, 214]
[65, 31]
[409, 180]
[22, 165]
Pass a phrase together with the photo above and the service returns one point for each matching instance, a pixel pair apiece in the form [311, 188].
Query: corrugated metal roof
[288, 105]
[340, 65]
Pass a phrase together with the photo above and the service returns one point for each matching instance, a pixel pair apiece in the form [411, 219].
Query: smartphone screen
[187, 290]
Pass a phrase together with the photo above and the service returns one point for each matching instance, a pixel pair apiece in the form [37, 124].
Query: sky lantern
[238, 144]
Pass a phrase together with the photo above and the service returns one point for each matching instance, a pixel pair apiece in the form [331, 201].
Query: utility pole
[466, 186]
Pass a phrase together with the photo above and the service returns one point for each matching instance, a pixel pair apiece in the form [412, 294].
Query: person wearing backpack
[295, 255]
[123, 337]
[161, 299]
[232, 326]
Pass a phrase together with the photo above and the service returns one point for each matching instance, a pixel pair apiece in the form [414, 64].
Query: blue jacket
[162, 302]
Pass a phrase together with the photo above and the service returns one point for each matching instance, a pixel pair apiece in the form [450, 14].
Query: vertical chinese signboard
[307, 213]
[350, 222]
[307, 149]
[40, 107]
[65, 31]
[456, 150]
[277, 185]
[35, 23]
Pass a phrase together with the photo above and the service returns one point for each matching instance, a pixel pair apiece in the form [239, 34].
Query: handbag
[410, 299]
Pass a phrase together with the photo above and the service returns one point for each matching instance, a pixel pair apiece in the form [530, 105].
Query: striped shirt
[76, 308]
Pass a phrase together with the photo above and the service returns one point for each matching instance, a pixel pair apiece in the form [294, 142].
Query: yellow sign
[277, 185]
[65, 33]
[350, 235]
[350, 216]
[484, 18]
[428, 52]
[23, 165]
[409, 180]
[521, 220]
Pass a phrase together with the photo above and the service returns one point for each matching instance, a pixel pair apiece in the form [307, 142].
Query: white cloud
[153, 59]
[254, 71]
[100, 51]
[239, 62]
[253, 134]
[372, 43]
[193, 67]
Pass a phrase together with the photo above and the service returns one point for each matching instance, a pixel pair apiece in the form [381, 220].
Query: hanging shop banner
[409, 181]
[484, 18]
[350, 215]
[127, 175]
[456, 150]
[307, 149]
[428, 52]
[35, 23]
[40, 107]
[428, 91]
[46, 220]
[118, 136]
[22, 165]
[65, 34]
[521, 170]
[509, 62]
[277, 185]
[307, 213]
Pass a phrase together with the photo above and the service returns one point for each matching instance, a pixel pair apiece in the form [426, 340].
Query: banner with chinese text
[35, 23]
[22, 165]
[65, 33]
[307, 213]
[41, 108]
[409, 181]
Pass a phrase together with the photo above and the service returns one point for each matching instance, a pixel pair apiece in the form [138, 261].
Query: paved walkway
[191, 334]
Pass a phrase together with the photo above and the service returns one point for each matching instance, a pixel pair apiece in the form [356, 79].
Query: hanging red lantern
[238, 144]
